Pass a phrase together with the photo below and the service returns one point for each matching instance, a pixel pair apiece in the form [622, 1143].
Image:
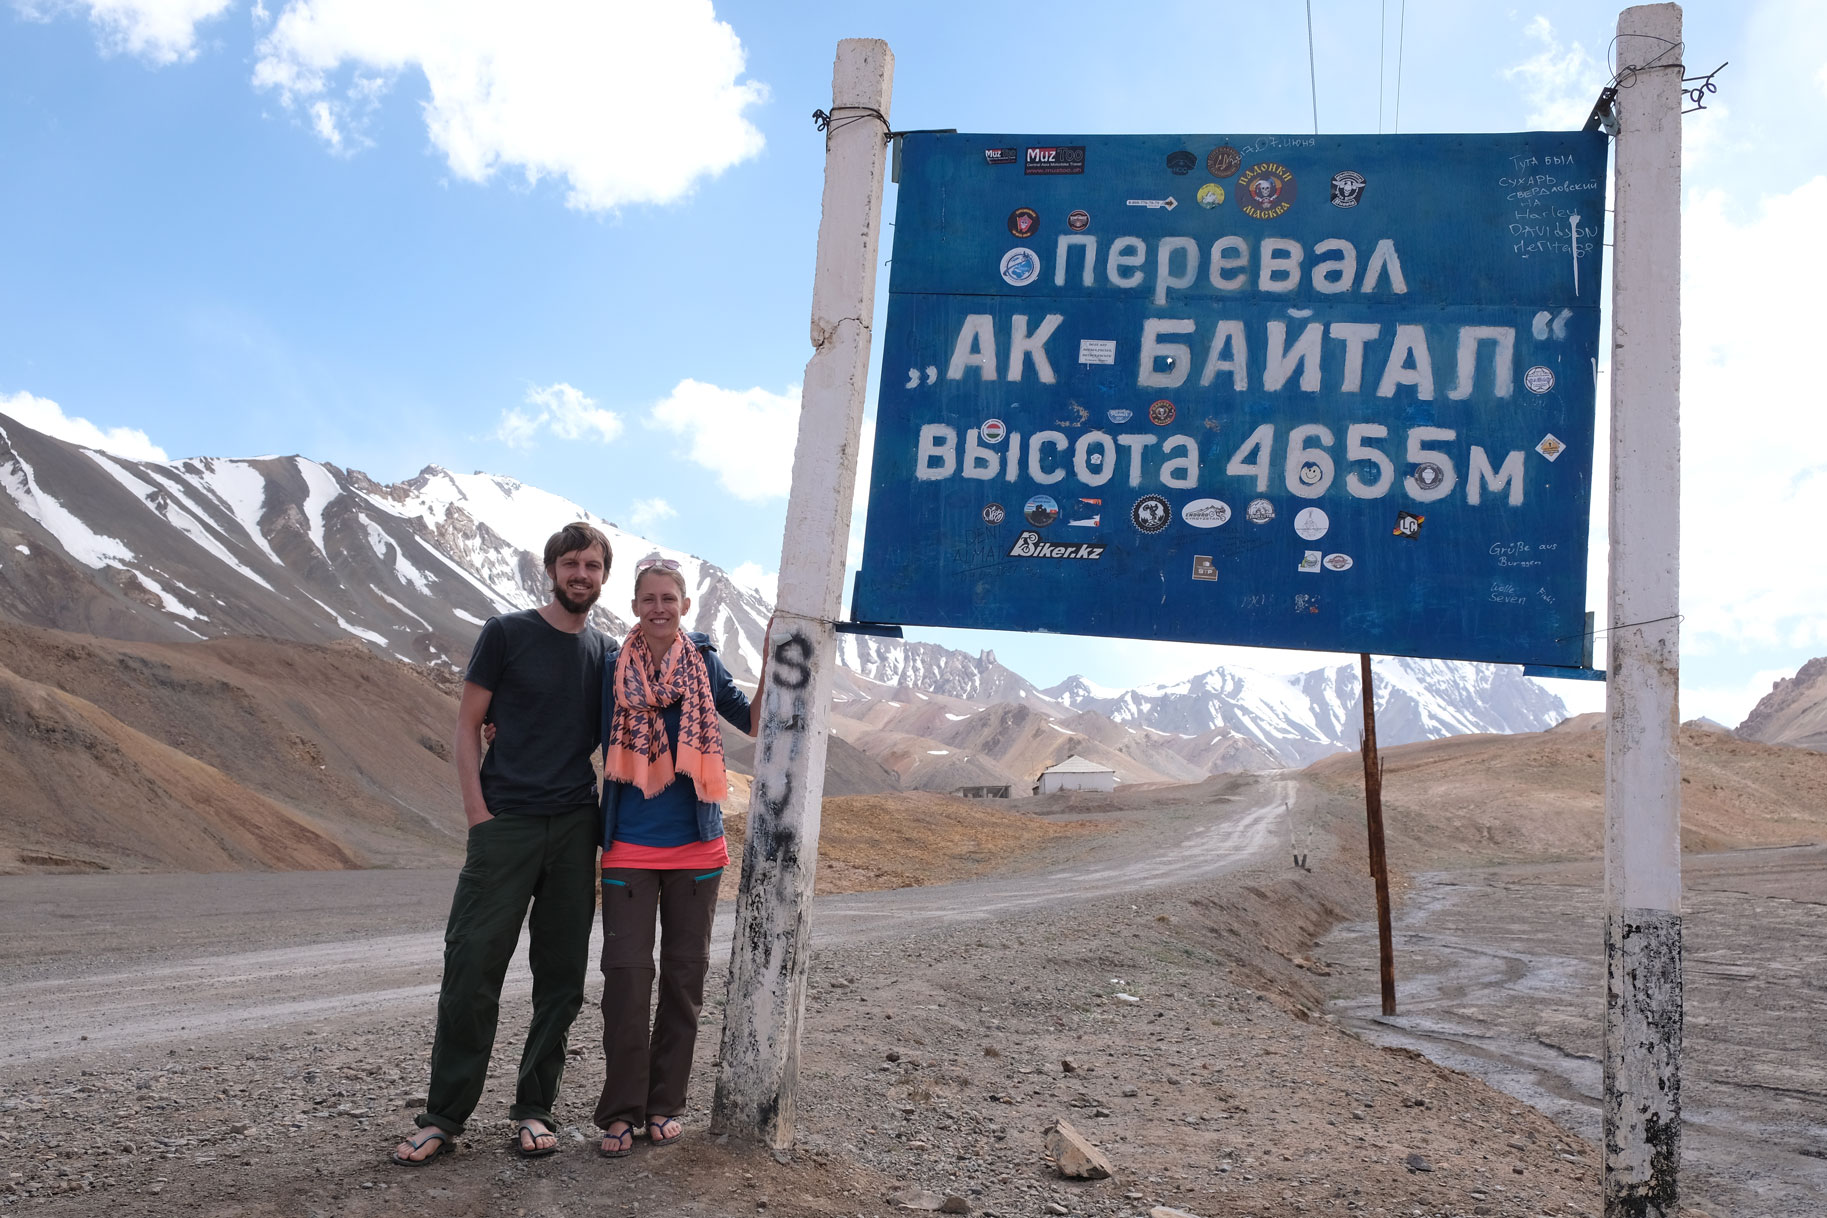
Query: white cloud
[1563, 81]
[1754, 434]
[42, 414]
[755, 578]
[744, 436]
[158, 31]
[562, 410]
[628, 102]
[859, 499]
[648, 512]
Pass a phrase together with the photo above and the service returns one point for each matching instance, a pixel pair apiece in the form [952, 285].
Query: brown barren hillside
[1470, 800]
[339, 738]
[1794, 711]
[83, 791]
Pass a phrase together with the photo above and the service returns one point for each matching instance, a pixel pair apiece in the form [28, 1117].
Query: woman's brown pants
[647, 1072]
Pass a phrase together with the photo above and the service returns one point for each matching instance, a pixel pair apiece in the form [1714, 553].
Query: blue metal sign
[1285, 391]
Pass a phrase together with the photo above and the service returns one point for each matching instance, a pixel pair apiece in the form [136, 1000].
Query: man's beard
[571, 605]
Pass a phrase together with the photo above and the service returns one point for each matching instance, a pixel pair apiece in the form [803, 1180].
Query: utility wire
[1401, 42]
[1312, 83]
[1382, 32]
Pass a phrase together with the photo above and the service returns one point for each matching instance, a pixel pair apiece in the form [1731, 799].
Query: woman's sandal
[427, 1135]
[624, 1142]
[656, 1130]
[527, 1139]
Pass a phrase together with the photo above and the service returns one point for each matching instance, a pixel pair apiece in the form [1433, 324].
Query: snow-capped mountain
[301, 550]
[297, 549]
[1299, 717]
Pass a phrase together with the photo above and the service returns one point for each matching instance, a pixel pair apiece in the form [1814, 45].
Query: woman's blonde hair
[672, 573]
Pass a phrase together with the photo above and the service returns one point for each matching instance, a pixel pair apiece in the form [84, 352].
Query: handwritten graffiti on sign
[1362, 324]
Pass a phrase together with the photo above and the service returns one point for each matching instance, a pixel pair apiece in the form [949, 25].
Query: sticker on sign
[1097, 350]
[1055, 160]
[1029, 545]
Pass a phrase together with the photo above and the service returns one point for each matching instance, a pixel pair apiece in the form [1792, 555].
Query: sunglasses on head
[646, 564]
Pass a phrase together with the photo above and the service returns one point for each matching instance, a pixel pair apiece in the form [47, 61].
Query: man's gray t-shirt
[547, 711]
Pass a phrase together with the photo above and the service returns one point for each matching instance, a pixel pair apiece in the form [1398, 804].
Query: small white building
[1076, 774]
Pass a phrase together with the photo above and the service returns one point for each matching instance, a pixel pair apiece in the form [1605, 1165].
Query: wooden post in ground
[758, 1078]
[1379, 861]
[1641, 1105]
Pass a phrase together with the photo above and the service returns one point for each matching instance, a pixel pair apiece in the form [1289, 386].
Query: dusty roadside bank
[1500, 974]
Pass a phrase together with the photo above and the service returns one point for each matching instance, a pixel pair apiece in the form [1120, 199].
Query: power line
[1312, 83]
[1401, 42]
[1382, 32]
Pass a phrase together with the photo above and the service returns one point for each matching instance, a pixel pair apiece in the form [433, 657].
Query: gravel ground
[933, 1058]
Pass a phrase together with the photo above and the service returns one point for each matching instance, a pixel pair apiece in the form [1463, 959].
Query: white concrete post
[757, 1083]
[1642, 1100]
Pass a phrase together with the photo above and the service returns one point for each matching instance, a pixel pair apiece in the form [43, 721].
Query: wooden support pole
[1641, 1104]
[1379, 861]
[758, 1079]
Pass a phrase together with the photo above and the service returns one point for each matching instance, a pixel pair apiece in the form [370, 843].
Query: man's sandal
[527, 1140]
[426, 1136]
[617, 1145]
[656, 1130]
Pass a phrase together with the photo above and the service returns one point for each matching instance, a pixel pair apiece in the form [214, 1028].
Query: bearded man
[534, 829]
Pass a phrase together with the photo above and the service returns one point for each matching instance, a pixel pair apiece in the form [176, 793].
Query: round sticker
[1223, 161]
[1337, 562]
[1311, 523]
[1538, 379]
[1041, 511]
[1020, 267]
[1311, 473]
[1266, 191]
[1078, 221]
[1206, 513]
[1260, 511]
[1181, 162]
[992, 431]
[1151, 514]
[1427, 476]
[1210, 195]
[993, 513]
[1023, 221]
[1347, 188]
[1119, 417]
[1161, 412]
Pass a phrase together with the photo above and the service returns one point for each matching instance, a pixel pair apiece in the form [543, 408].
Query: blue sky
[301, 226]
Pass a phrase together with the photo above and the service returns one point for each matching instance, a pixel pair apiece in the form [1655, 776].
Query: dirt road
[116, 983]
[1501, 974]
[255, 1042]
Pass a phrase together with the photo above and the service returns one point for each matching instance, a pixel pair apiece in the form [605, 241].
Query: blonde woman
[663, 852]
